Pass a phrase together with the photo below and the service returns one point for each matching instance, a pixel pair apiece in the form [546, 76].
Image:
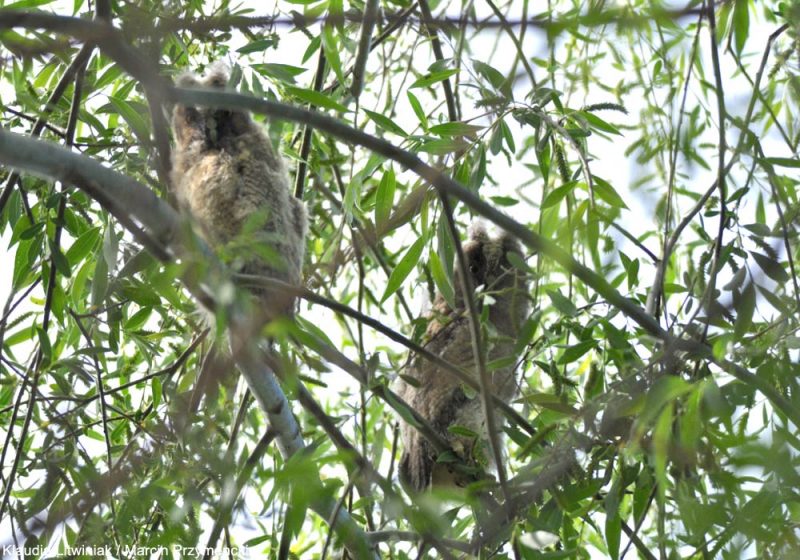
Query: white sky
[610, 161]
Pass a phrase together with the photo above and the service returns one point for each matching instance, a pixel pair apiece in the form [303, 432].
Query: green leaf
[401, 410]
[783, 162]
[605, 191]
[507, 136]
[550, 402]
[23, 335]
[504, 200]
[442, 146]
[665, 390]
[662, 435]
[155, 388]
[95, 435]
[331, 48]
[78, 296]
[496, 141]
[455, 129]
[352, 195]
[384, 198]
[745, 307]
[84, 245]
[417, 107]
[131, 116]
[386, 123]
[99, 282]
[112, 72]
[574, 352]
[562, 304]
[313, 46]
[494, 77]
[440, 279]
[259, 45]
[771, 267]
[543, 157]
[723, 21]
[27, 4]
[310, 334]
[44, 344]
[60, 262]
[599, 124]
[557, 195]
[613, 531]
[281, 72]
[110, 247]
[432, 78]
[138, 319]
[317, 99]
[23, 263]
[741, 23]
[690, 424]
[32, 231]
[413, 381]
[404, 268]
[462, 431]
[262, 539]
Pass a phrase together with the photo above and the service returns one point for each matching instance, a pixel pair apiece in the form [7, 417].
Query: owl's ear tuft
[477, 232]
[186, 79]
[217, 75]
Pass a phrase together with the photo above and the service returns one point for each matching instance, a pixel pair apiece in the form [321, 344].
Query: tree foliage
[647, 156]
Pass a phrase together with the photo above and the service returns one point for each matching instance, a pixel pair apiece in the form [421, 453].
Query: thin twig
[103, 411]
[784, 226]
[721, 174]
[111, 189]
[618, 16]
[241, 480]
[436, 45]
[305, 147]
[673, 239]
[504, 23]
[370, 18]
[478, 353]
[654, 297]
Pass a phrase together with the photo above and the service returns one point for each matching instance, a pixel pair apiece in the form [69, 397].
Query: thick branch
[37, 162]
[442, 182]
[131, 202]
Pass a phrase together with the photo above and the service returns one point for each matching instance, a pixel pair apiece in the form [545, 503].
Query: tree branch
[131, 202]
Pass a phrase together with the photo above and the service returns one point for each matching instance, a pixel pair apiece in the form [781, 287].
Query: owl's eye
[473, 268]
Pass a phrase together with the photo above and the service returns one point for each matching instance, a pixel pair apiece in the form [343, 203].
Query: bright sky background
[610, 161]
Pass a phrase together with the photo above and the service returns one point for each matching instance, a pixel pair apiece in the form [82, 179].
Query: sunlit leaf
[404, 268]
[434, 77]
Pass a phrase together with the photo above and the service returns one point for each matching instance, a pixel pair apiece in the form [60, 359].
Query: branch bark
[135, 205]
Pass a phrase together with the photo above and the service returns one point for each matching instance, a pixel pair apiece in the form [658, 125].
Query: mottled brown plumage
[227, 175]
[438, 396]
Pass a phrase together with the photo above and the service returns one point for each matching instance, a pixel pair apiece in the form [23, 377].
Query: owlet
[437, 395]
[232, 182]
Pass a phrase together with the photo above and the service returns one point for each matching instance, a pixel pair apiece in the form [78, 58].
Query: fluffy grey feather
[226, 174]
[438, 396]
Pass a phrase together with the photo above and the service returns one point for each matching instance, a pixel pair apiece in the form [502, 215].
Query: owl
[236, 189]
[438, 396]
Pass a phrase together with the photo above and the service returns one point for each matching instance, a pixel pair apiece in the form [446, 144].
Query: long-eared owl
[438, 396]
[234, 184]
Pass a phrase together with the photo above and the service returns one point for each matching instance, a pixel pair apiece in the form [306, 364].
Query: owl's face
[476, 264]
[489, 267]
[215, 126]
[488, 264]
